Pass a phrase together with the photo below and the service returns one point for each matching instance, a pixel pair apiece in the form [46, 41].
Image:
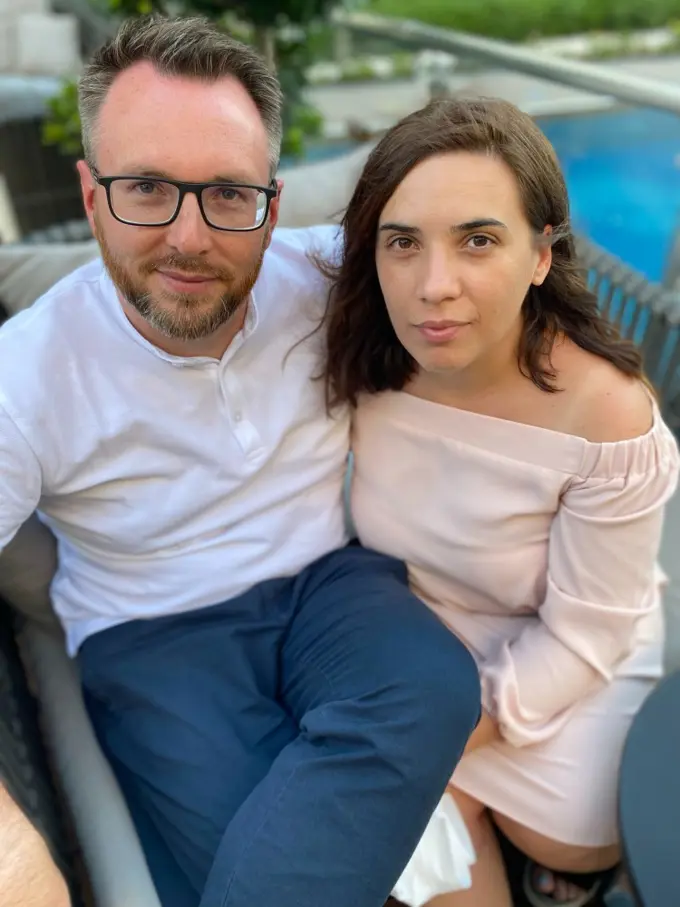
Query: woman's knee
[556, 855]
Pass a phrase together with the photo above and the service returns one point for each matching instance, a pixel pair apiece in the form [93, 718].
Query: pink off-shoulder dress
[539, 549]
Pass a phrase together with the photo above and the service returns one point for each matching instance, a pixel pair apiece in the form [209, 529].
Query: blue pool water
[623, 174]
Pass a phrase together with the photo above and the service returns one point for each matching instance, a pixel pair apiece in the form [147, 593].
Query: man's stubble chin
[178, 316]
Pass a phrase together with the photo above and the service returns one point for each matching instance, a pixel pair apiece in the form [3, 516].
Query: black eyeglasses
[142, 201]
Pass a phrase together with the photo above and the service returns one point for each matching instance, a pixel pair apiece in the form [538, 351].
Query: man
[281, 712]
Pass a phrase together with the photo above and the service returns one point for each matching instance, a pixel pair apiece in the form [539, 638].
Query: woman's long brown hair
[364, 354]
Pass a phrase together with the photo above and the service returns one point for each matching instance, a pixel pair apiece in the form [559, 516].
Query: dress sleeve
[20, 479]
[602, 579]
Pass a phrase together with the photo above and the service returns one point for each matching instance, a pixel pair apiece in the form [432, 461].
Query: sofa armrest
[111, 850]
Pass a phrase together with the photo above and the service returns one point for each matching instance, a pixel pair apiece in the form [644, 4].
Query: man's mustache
[187, 265]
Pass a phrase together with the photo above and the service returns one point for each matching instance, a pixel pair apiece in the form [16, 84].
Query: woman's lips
[441, 331]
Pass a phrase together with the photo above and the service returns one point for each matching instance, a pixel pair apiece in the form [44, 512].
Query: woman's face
[455, 257]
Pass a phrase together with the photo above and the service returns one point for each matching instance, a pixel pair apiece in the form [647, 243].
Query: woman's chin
[442, 361]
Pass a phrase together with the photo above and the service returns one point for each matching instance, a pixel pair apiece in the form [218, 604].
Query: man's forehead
[155, 112]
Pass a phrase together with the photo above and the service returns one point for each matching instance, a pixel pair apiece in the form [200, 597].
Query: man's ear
[88, 187]
[274, 206]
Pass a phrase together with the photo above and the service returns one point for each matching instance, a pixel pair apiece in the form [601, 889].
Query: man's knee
[435, 703]
[444, 680]
[28, 875]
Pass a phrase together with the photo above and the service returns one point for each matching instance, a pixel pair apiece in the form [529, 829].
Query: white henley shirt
[171, 483]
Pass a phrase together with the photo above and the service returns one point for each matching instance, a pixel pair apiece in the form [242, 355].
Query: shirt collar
[110, 293]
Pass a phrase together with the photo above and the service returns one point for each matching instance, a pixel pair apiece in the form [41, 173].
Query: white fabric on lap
[442, 860]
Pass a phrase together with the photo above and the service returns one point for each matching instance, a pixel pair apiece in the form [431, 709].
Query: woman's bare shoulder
[605, 405]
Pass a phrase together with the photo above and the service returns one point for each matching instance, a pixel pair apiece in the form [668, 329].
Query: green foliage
[404, 65]
[62, 124]
[305, 123]
[261, 13]
[357, 70]
[134, 7]
[258, 21]
[519, 20]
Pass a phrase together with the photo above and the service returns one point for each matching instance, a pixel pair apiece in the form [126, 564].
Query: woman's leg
[489, 882]
[562, 793]
[554, 857]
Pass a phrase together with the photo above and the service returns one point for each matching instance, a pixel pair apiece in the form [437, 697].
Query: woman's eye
[402, 243]
[479, 241]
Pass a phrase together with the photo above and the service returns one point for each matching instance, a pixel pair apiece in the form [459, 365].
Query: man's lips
[185, 281]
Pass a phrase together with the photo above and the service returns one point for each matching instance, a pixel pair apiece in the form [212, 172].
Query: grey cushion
[27, 566]
[26, 272]
[318, 193]
[111, 850]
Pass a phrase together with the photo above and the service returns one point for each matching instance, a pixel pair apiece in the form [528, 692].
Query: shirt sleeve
[602, 579]
[20, 479]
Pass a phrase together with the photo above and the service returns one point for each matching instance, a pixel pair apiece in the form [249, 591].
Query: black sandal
[593, 886]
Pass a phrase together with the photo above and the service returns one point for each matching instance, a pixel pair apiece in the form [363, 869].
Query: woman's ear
[544, 256]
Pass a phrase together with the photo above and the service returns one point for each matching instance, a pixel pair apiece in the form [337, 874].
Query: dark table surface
[649, 798]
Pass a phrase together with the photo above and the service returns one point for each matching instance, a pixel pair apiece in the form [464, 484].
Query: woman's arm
[602, 579]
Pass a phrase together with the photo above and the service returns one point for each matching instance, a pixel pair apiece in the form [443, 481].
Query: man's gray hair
[192, 47]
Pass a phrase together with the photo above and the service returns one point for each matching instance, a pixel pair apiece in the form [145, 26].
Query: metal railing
[591, 77]
[646, 313]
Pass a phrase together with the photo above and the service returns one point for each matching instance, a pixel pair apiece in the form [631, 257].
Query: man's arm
[20, 478]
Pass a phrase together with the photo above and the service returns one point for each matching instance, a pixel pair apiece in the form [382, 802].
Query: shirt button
[237, 417]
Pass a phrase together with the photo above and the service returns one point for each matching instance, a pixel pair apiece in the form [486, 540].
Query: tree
[275, 27]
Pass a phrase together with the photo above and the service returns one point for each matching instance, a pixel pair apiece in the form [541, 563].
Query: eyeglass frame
[187, 188]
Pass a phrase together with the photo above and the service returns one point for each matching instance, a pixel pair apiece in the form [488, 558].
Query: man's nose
[188, 233]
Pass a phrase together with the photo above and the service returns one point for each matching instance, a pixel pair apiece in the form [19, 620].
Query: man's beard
[187, 318]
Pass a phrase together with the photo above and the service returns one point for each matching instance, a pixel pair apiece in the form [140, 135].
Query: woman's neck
[498, 368]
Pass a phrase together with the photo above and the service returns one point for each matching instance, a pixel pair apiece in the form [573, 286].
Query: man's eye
[145, 187]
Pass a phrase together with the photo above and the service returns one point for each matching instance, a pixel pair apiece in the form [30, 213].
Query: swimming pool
[623, 173]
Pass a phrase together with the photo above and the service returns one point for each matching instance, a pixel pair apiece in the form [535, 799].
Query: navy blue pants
[285, 748]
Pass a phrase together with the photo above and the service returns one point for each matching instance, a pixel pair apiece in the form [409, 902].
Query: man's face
[185, 279]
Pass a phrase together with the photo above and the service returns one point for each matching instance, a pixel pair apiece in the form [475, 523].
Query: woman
[508, 447]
